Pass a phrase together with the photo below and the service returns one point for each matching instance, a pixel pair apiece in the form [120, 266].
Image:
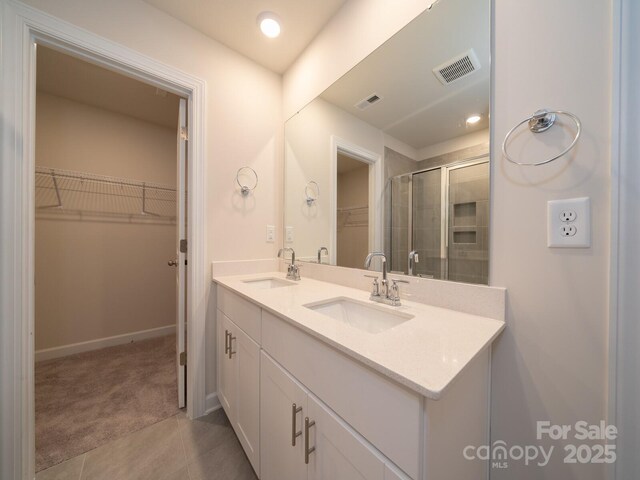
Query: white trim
[20, 27]
[65, 350]
[375, 192]
[619, 34]
[212, 403]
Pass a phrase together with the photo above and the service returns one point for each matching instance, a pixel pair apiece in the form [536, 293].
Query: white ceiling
[69, 77]
[416, 108]
[234, 23]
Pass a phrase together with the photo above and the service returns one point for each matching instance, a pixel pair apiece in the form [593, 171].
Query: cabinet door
[280, 459]
[226, 373]
[246, 359]
[339, 452]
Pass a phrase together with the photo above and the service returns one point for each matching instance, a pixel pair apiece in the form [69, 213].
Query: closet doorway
[110, 256]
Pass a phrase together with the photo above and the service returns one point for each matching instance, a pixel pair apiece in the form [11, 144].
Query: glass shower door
[427, 225]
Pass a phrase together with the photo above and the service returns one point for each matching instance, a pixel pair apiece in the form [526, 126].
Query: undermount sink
[361, 315]
[271, 282]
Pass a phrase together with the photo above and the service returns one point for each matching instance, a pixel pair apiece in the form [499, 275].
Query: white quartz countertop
[425, 353]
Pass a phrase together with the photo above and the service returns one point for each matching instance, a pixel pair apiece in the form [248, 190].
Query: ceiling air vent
[458, 67]
[367, 102]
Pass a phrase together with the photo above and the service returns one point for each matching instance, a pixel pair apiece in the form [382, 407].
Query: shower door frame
[22, 28]
[444, 201]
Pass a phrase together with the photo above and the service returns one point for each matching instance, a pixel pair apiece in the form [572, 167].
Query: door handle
[307, 451]
[294, 433]
[226, 342]
[173, 263]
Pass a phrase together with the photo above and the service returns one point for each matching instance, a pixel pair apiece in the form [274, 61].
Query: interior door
[181, 254]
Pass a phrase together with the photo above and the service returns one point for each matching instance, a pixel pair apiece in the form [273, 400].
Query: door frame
[374, 160]
[21, 27]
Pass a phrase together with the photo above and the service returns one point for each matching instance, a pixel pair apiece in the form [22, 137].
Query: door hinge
[184, 135]
[183, 358]
[183, 246]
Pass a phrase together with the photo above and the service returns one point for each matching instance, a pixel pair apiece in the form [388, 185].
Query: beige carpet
[91, 398]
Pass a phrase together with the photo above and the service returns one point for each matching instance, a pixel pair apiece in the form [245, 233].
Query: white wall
[551, 362]
[308, 154]
[97, 279]
[243, 124]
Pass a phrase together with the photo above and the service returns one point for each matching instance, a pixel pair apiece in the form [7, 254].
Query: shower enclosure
[439, 222]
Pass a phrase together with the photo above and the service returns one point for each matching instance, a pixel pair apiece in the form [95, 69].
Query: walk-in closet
[106, 222]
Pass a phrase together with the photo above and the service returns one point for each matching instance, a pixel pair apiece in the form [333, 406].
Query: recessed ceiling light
[473, 119]
[269, 24]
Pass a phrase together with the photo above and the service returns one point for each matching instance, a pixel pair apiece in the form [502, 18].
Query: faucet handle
[375, 288]
[395, 291]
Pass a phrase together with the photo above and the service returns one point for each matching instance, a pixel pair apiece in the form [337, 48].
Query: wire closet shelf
[86, 194]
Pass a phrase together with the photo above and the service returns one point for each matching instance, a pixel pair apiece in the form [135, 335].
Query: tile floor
[174, 449]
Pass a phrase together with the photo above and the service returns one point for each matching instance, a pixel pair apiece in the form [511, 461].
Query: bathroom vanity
[321, 383]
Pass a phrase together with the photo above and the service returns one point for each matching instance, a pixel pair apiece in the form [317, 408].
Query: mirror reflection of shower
[439, 222]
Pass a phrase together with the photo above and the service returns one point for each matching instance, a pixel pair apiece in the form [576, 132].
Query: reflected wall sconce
[249, 172]
[311, 192]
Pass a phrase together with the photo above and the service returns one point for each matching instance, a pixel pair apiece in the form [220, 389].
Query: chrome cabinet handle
[226, 342]
[307, 451]
[231, 339]
[294, 433]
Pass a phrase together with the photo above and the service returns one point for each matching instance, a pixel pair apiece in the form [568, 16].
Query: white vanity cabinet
[273, 376]
[302, 438]
[239, 378]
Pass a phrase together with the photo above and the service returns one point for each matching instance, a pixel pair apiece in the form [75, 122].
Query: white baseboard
[64, 350]
[212, 403]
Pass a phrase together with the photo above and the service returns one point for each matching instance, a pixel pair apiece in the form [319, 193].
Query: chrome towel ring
[541, 121]
[245, 189]
[311, 192]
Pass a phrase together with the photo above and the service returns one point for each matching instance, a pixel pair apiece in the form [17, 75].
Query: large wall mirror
[394, 156]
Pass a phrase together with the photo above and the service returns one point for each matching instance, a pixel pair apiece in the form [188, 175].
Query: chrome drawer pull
[294, 434]
[307, 451]
[226, 342]
[231, 339]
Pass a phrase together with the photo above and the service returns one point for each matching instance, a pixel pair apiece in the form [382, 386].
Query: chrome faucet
[390, 296]
[293, 270]
[320, 250]
[413, 259]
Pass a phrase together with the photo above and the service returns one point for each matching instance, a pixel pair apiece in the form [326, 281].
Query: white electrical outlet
[271, 233]
[569, 223]
[568, 216]
[289, 234]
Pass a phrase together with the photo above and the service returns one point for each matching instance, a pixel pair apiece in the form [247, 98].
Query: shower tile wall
[469, 224]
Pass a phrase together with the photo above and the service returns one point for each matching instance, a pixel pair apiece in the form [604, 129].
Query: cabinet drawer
[385, 413]
[242, 312]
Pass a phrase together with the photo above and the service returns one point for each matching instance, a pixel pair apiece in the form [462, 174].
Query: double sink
[364, 316]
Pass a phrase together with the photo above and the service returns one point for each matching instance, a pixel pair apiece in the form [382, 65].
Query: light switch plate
[569, 223]
[289, 234]
[271, 233]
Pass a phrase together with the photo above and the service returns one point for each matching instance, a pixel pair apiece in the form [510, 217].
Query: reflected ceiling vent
[458, 67]
[367, 102]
